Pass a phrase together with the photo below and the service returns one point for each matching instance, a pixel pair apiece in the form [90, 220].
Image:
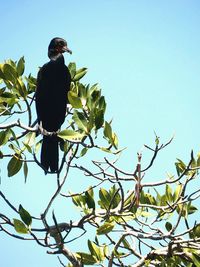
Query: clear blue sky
[145, 55]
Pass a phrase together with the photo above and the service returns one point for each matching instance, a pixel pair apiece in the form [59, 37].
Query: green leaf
[114, 140]
[96, 251]
[21, 88]
[197, 230]
[107, 131]
[20, 66]
[105, 228]
[89, 200]
[146, 198]
[177, 192]
[157, 140]
[14, 165]
[29, 139]
[102, 103]
[79, 74]
[115, 197]
[191, 209]
[196, 259]
[71, 135]
[168, 192]
[79, 201]
[72, 69]
[86, 258]
[20, 227]
[10, 73]
[37, 146]
[198, 159]
[74, 100]
[168, 226]
[9, 98]
[4, 137]
[83, 151]
[180, 166]
[25, 216]
[126, 243]
[2, 76]
[104, 198]
[25, 171]
[80, 120]
[99, 119]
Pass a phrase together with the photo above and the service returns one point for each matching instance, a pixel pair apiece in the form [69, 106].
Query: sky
[143, 54]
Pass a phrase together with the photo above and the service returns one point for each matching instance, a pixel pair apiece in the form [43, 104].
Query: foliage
[147, 225]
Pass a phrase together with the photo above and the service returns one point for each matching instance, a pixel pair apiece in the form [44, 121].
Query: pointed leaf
[71, 135]
[99, 119]
[86, 258]
[105, 228]
[20, 66]
[168, 226]
[74, 100]
[14, 165]
[80, 120]
[20, 227]
[10, 73]
[83, 151]
[107, 131]
[104, 198]
[72, 69]
[79, 74]
[25, 216]
[96, 251]
[196, 259]
[25, 171]
[89, 200]
[4, 136]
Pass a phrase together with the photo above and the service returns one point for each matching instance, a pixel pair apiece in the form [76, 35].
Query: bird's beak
[66, 49]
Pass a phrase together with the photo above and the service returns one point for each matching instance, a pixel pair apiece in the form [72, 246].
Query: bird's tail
[49, 153]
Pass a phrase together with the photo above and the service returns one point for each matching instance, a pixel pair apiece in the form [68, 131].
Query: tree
[123, 220]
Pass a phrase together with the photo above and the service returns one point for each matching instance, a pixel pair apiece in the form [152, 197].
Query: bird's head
[57, 46]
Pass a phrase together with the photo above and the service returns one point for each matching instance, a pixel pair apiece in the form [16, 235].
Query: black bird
[53, 84]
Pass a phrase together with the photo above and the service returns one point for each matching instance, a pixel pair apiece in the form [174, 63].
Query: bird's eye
[61, 43]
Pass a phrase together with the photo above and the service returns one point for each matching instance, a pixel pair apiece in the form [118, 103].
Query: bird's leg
[45, 132]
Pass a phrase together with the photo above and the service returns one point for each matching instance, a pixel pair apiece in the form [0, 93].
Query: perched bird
[53, 84]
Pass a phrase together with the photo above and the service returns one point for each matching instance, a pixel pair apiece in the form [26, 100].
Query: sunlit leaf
[20, 66]
[79, 74]
[71, 135]
[104, 198]
[177, 192]
[107, 130]
[95, 250]
[72, 69]
[105, 228]
[4, 137]
[80, 120]
[74, 100]
[20, 227]
[168, 192]
[180, 166]
[10, 73]
[86, 258]
[197, 230]
[196, 259]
